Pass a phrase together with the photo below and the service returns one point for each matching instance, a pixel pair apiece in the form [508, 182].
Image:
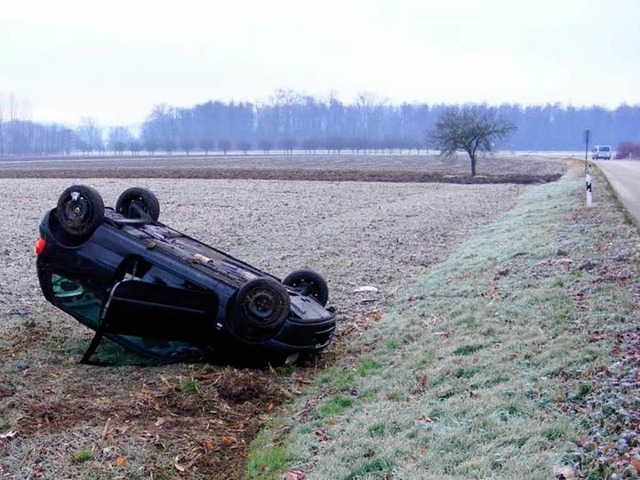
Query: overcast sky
[114, 61]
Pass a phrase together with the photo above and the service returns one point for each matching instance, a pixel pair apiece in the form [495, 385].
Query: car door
[152, 302]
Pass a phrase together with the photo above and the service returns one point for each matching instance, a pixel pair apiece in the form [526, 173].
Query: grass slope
[486, 368]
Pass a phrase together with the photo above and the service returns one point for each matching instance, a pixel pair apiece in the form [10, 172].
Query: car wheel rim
[261, 305]
[77, 211]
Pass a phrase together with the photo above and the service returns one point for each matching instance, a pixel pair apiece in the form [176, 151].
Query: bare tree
[187, 144]
[472, 128]
[287, 144]
[310, 145]
[206, 144]
[265, 145]
[15, 124]
[224, 145]
[2, 132]
[90, 135]
[244, 145]
[119, 139]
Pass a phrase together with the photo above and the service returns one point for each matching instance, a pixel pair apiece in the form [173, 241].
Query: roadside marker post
[589, 189]
[587, 134]
[587, 168]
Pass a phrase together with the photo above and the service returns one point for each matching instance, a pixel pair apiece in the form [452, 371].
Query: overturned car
[164, 294]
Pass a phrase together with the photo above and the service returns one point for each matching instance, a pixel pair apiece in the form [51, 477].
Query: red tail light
[39, 246]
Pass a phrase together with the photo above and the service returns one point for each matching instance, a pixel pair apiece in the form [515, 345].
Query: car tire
[264, 302]
[80, 210]
[308, 282]
[135, 202]
[260, 309]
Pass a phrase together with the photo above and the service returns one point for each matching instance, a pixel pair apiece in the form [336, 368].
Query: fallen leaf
[105, 430]
[228, 441]
[332, 422]
[177, 466]
[295, 475]
[160, 421]
[563, 473]
[121, 461]
[208, 445]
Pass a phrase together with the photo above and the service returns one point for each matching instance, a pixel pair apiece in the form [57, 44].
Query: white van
[601, 152]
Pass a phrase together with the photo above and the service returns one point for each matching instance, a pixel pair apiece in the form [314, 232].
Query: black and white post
[589, 189]
[587, 169]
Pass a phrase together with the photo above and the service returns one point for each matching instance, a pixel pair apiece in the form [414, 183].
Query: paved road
[624, 176]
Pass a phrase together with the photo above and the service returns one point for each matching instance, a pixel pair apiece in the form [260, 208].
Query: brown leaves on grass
[374, 316]
[612, 445]
[563, 473]
[425, 420]
[295, 475]
[597, 336]
[362, 323]
[321, 435]
[227, 441]
[207, 444]
[421, 384]
[197, 415]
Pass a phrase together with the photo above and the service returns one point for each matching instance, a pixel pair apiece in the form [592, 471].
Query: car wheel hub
[261, 305]
[77, 211]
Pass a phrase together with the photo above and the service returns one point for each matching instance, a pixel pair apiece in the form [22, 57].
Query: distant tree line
[628, 150]
[292, 121]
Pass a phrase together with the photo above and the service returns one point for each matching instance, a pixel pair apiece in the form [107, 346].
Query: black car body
[162, 293]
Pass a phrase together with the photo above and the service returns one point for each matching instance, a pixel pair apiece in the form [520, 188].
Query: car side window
[77, 298]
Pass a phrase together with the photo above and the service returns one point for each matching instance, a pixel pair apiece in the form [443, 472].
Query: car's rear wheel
[308, 282]
[261, 307]
[80, 210]
[136, 202]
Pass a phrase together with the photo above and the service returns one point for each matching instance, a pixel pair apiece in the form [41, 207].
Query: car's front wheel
[260, 309]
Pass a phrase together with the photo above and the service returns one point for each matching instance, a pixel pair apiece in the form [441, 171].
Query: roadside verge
[501, 363]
